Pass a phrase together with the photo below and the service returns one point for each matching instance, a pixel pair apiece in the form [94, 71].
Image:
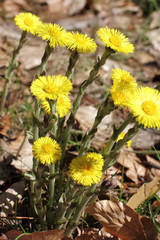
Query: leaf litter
[134, 169]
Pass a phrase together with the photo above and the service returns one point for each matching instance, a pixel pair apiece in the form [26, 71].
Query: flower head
[123, 79]
[144, 104]
[119, 96]
[46, 150]
[27, 22]
[123, 85]
[87, 170]
[121, 136]
[82, 43]
[51, 87]
[55, 34]
[63, 105]
[115, 40]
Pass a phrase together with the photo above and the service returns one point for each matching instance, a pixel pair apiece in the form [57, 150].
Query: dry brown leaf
[155, 171]
[21, 147]
[10, 196]
[118, 219]
[149, 228]
[130, 161]
[4, 124]
[46, 235]
[92, 234]
[143, 193]
[12, 7]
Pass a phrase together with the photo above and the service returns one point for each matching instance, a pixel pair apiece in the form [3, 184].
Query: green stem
[92, 75]
[38, 197]
[51, 187]
[84, 85]
[103, 110]
[72, 61]
[44, 61]
[11, 67]
[73, 223]
[115, 134]
[111, 155]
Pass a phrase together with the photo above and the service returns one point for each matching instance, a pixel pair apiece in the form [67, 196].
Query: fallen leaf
[130, 161]
[4, 124]
[143, 193]
[154, 37]
[45, 235]
[92, 234]
[21, 148]
[10, 196]
[118, 219]
[149, 228]
[13, 7]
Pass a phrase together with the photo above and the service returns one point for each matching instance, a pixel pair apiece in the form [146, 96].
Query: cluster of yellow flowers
[53, 88]
[143, 102]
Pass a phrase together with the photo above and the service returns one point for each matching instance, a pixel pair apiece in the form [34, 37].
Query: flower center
[149, 107]
[80, 39]
[28, 21]
[115, 40]
[47, 148]
[50, 88]
[125, 78]
[86, 168]
[54, 32]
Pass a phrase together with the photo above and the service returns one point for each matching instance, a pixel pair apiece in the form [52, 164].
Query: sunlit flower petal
[82, 43]
[144, 104]
[46, 150]
[86, 170]
[51, 87]
[55, 34]
[27, 22]
[115, 40]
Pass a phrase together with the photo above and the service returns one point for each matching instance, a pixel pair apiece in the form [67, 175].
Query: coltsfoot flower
[55, 34]
[86, 170]
[82, 43]
[47, 150]
[123, 78]
[144, 104]
[115, 40]
[124, 84]
[51, 87]
[27, 22]
[63, 105]
[119, 96]
[121, 136]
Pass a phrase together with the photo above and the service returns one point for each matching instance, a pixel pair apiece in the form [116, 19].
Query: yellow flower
[86, 170]
[51, 87]
[144, 104]
[55, 34]
[63, 105]
[82, 43]
[27, 22]
[123, 85]
[123, 78]
[115, 40]
[46, 150]
[119, 96]
[121, 136]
